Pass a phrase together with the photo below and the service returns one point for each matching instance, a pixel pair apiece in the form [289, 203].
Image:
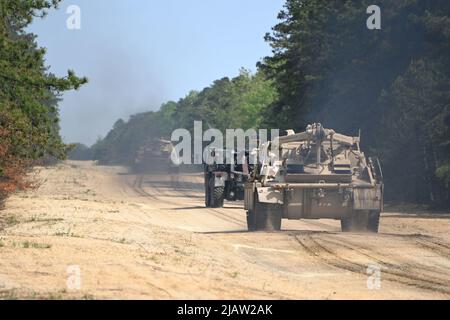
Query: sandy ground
[97, 232]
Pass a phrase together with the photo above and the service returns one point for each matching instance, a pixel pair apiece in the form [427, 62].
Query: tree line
[239, 102]
[29, 95]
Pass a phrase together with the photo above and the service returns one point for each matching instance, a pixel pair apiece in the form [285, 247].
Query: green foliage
[443, 173]
[79, 152]
[417, 130]
[29, 94]
[121, 143]
[236, 103]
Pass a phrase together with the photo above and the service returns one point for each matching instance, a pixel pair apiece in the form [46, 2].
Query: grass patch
[32, 245]
[63, 233]
[37, 219]
[56, 295]
[11, 220]
[8, 295]
[14, 295]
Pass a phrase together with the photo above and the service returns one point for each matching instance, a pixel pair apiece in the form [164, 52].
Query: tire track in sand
[325, 254]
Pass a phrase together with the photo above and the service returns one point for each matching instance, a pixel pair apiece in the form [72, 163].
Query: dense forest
[29, 95]
[392, 84]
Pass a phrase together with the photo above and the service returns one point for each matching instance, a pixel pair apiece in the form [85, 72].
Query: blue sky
[138, 54]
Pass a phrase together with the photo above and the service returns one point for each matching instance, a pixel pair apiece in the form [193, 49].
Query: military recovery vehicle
[316, 174]
[226, 181]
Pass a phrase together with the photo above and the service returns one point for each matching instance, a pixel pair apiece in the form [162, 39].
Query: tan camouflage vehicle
[155, 154]
[318, 174]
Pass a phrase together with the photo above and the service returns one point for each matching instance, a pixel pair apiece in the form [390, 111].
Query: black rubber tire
[361, 221]
[251, 220]
[207, 191]
[214, 196]
[229, 188]
[240, 193]
[264, 217]
[273, 218]
[346, 224]
[217, 197]
[374, 221]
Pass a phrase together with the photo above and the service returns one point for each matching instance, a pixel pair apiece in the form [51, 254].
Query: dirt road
[97, 232]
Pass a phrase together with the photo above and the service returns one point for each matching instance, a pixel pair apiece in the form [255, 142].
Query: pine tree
[29, 94]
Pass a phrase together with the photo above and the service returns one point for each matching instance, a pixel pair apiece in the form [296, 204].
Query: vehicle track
[319, 224]
[380, 258]
[402, 274]
[435, 246]
[139, 189]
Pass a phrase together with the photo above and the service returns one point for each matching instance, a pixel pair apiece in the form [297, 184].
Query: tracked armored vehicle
[316, 174]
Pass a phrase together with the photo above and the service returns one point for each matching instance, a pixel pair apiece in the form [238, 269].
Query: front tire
[374, 221]
[217, 198]
[361, 221]
[264, 216]
[214, 196]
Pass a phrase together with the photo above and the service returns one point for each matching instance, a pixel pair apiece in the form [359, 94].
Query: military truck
[316, 174]
[225, 181]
